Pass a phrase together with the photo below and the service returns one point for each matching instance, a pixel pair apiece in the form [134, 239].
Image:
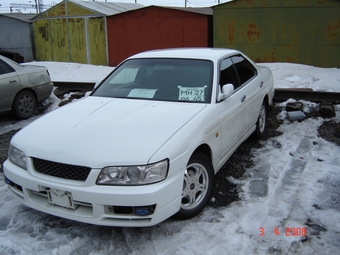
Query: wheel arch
[198, 183]
[205, 149]
[25, 89]
[267, 102]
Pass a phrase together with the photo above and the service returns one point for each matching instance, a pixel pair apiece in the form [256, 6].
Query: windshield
[184, 80]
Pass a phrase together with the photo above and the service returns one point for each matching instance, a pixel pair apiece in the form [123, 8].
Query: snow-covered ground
[290, 199]
[64, 72]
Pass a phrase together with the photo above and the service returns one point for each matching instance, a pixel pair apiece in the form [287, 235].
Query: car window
[228, 74]
[166, 79]
[5, 68]
[246, 71]
[126, 76]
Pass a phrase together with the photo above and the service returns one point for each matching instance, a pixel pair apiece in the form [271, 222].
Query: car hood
[99, 132]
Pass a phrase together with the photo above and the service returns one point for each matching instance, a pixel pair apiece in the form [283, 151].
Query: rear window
[5, 68]
[246, 71]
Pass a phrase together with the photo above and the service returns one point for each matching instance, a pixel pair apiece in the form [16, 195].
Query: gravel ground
[225, 192]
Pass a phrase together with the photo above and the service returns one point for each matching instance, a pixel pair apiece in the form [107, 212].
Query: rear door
[9, 86]
[249, 89]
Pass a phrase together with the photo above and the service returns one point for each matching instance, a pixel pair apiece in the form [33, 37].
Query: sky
[5, 4]
[289, 200]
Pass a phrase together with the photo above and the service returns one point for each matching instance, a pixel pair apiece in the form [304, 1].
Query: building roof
[25, 17]
[276, 4]
[199, 10]
[113, 8]
[107, 8]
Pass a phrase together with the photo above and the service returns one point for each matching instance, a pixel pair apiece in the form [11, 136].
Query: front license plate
[60, 197]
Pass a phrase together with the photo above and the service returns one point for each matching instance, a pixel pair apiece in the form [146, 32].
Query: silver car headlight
[17, 157]
[133, 175]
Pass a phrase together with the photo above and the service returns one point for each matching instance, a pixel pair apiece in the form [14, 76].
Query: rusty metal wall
[97, 40]
[155, 28]
[70, 33]
[298, 31]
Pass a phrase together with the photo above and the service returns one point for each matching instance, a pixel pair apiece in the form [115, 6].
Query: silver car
[22, 87]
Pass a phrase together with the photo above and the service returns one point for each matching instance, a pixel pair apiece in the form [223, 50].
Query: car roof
[3, 57]
[213, 54]
[9, 61]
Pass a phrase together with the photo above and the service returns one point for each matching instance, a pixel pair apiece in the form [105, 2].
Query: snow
[74, 72]
[295, 183]
[287, 75]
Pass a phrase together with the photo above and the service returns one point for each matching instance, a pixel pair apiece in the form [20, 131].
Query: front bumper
[120, 206]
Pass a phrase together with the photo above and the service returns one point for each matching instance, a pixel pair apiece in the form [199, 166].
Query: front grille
[65, 171]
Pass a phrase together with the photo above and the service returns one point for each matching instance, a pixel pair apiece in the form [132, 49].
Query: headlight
[17, 157]
[133, 175]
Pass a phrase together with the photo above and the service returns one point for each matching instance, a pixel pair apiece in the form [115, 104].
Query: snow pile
[288, 75]
[74, 72]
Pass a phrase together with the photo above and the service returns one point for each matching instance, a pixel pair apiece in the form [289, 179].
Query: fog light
[7, 181]
[142, 211]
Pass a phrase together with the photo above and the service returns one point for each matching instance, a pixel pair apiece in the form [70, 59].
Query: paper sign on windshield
[191, 93]
[142, 93]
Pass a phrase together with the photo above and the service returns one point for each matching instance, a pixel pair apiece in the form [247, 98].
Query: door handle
[261, 84]
[12, 81]
[243, 98]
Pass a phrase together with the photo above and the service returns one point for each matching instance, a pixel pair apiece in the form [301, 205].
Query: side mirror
[227, 91]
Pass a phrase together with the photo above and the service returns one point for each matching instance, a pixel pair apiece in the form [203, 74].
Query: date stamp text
[298, 231]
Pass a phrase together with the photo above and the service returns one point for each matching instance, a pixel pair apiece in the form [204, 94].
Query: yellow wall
[71, 34]
[97, 40]
[77, 39]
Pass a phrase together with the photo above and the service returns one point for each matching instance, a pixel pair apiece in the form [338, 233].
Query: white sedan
[22, 87]
[148, 141]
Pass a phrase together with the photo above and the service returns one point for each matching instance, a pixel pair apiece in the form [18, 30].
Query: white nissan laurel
[148, 141]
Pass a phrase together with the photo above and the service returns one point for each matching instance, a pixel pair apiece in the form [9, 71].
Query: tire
[261, 122]
[198, 186]
[24, 104]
